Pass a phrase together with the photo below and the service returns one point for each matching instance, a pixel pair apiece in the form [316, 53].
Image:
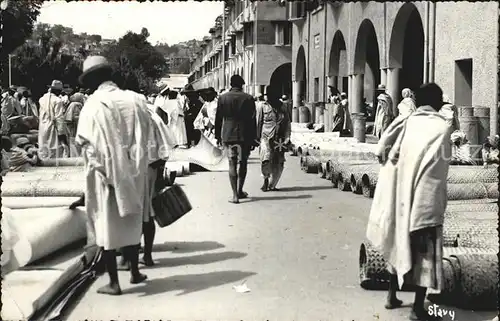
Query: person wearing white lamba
[113, 130]
[52, 131]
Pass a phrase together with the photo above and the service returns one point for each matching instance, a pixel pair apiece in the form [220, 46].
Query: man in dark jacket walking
[235, 129]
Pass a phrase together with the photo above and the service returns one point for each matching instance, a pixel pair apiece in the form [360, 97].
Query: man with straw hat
[113, 130]
[52, 133]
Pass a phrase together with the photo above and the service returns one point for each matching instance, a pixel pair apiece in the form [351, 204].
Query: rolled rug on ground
[471, 229]
[471, 174]
[47, 230]
[459, 206]
[357, 179]
[344, 170]
[43, 188]
[56, 162]
[50, 176]
[368, 184]
[37, 202]
[470, 281]
[55, 169]
[310, 164]
[373, 272]
[472, 191]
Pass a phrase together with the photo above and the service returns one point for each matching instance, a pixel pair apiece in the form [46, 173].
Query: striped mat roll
[471, 229]
[48, 176]
[56, 162]
[43, 188]
[471, 174]
[15, 203]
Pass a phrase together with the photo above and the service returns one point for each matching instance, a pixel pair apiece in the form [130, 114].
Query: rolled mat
[322, 170]
[357, 180]
[373, 272]
[470, 282]
[56, 162]
[43, 188]
[344, 171]
[471, 229]
[40, 228]
[37, 202]
[310, 164]
[454, 206]
[204, 154]
[44, 170]
[302, 150]
[48, 176]
[343, 184]
[472, 191]
[368, 184]
[472, 174]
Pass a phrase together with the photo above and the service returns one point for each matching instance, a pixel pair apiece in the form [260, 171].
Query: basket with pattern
[170, 204]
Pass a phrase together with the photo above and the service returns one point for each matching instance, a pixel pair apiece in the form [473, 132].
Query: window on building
[283, 33]
[463, 82]
[233, 45]
[316, 89]
[345, 84]
[226, 52]
[298, 9]
[248, 34]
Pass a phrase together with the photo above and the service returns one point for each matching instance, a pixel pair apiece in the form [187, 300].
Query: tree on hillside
[18, 21]
[137, 61]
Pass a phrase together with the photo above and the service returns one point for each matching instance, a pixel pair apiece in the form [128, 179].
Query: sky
[167, 22]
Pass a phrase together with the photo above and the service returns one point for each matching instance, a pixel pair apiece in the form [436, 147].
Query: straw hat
[56, 84]
[91, 64]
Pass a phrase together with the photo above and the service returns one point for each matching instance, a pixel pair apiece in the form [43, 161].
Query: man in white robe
[175, 111]
[52, 132]
[113, 130]
[406, 218]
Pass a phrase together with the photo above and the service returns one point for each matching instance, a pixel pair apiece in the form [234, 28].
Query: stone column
[357, 112]
[383, 77]
[393, 87]
[296, 93]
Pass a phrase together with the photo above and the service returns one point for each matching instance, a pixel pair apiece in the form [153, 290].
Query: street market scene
[240, 160]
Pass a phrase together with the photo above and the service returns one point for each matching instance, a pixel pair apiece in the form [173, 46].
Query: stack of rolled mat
[341, 171]
[472, 229]
[464, 182]
[43, 188]
[37, 202]
[374, 275]
[70, 161]
[470, 281]
[309, 164]
[43, 176]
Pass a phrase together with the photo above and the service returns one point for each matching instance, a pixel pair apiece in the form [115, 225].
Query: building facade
[357, 46]
[252, 39]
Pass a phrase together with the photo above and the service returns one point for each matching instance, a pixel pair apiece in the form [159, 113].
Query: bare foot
[138, 278]
[393, 304]
[242, 195]
[147, 261]
[265, 185]
[234, 200]
[422, 315]
[110, 289]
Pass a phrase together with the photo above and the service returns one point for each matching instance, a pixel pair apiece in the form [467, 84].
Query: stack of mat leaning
[37, 203]
[470, 234]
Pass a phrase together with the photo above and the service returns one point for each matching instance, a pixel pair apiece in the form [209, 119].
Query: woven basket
[471, 174]
[56, 162]
[43, 188]
[476, 230]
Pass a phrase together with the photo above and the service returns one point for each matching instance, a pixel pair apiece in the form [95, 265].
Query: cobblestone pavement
[297, 249]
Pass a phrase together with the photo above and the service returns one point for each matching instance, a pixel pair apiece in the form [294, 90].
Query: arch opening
[300, 75]
[367, 62]
[407, 48]
[337, 65]
[282, 78]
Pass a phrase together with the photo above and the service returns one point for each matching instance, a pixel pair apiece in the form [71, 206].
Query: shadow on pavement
[274, 198]
[304, 188]
[189, 283]
[199, 259]
[187, 247]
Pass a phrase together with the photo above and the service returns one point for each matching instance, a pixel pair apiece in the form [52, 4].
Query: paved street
[297, 249]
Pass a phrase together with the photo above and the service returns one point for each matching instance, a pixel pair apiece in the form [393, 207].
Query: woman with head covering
[73, 113]
[450, 113]
[407, 106]
[384, 114]
[273, 132]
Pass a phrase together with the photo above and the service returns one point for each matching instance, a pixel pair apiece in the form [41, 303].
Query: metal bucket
[304, 114]
[483, 119]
